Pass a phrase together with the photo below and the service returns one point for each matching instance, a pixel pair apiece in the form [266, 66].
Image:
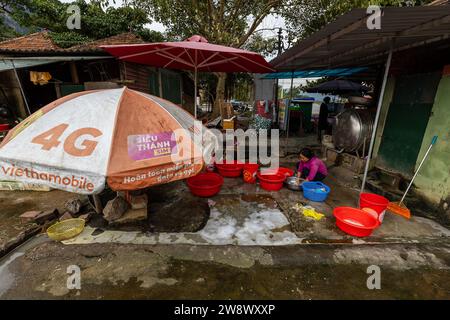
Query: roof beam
[340, 46]
[325, 41]
[409, 32]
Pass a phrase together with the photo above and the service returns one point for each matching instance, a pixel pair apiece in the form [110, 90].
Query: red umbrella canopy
[195, 53]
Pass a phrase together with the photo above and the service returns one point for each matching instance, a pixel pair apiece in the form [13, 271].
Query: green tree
[264, 46]
[226, 22]
[8, 10]
[96, 21]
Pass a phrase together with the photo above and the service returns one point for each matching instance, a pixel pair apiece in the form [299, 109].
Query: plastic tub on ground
[355, 222]
[230, 169]
[249, 172]
[315, 191]
[271, 182]
[281, 170]
[206, 184]
[375, 202]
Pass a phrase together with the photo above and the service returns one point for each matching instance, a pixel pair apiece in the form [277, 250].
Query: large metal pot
[360, 100]
[352, 128]
[293, 183]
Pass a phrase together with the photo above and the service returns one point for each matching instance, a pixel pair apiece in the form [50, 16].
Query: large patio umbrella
[129, 139]
[338, 87]
[194, 54]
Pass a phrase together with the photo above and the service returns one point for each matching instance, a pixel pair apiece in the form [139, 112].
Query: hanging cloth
[40, 78]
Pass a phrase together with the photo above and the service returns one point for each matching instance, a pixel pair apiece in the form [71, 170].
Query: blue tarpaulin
[338, 72]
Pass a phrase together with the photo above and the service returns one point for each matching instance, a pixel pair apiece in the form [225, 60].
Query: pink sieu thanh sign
[148, 146]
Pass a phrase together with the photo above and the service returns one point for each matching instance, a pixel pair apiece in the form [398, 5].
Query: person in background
[323, 118]
[310, 167]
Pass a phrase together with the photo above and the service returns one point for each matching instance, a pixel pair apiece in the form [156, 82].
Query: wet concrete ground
[14, 203]
[112, 271]
[322, 262]
[237, 202]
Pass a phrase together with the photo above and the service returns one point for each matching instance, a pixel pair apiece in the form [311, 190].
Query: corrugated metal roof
[7, 63]
[349, 42]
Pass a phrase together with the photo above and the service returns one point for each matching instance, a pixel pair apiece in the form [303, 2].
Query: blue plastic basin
[315, 191]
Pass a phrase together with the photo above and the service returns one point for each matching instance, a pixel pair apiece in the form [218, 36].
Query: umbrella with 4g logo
[127, 139]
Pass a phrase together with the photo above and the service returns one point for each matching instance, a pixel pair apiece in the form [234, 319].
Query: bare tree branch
[257, 21]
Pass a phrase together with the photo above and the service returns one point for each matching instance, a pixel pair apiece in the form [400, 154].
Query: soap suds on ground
[262, 227]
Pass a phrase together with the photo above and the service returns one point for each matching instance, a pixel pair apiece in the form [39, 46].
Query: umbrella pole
[98, 204]
[195, 92]
[377, 118]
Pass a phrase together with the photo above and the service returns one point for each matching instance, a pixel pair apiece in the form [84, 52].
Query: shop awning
[9, 63]
[348, 42]
[339, 72]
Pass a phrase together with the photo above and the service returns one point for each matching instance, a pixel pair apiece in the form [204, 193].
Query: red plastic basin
[230, 169]
[205, 184]
[4, 127]
[374, 202]
[286, 171]
[271, 182]
[281, 170]
[249, 172]
[354, 221]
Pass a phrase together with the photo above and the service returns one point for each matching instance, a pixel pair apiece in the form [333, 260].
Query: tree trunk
[220, 95]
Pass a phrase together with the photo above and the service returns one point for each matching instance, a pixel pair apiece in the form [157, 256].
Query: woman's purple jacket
[314, 165]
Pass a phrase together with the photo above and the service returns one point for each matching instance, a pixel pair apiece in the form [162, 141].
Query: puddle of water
[6, 277]
[206, 280]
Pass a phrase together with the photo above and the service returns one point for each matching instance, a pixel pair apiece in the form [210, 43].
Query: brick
[46, 216]
[29, 215]
[131, 216]
[86, 216]
[65, 216]
[139, 202]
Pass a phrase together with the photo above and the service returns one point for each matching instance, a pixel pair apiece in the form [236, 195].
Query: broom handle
[420, 165]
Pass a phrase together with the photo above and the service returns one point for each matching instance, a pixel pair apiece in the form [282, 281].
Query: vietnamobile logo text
[72, 181]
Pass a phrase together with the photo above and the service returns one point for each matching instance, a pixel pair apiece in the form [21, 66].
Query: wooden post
[74, 72]
[58, 90]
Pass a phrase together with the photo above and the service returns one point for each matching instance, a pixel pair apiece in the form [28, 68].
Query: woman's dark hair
[307, 152]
